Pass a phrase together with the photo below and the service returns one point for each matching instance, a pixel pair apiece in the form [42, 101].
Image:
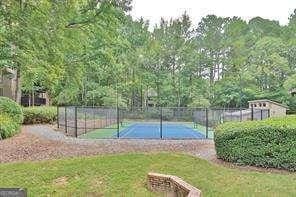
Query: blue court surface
[152, 131]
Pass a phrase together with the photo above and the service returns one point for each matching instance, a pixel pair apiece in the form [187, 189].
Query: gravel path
[39, 142]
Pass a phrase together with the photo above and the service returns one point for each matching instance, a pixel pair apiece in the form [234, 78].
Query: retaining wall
[171, 185]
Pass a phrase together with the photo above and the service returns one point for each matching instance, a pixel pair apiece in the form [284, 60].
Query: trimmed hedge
[268, 143]
[39, 115]
[12, 109]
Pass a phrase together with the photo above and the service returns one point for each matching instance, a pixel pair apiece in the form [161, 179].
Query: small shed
[275, 109]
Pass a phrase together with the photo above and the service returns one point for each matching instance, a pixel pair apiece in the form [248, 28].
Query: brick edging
[171, 184]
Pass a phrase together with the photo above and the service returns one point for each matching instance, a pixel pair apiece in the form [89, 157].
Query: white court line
[192, 133]
[130, 129]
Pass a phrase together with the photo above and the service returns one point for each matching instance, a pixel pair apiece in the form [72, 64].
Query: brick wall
[171, 185]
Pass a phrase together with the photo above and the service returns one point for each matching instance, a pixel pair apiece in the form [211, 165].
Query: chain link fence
[150, 122]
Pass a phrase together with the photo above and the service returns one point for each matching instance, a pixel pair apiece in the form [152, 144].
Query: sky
[153, 10]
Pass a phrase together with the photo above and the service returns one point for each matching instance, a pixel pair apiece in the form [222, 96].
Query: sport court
[153, 130]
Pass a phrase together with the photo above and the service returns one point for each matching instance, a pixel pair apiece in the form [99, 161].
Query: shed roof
[269, 101]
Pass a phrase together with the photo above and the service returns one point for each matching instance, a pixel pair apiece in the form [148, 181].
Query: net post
[252, 113]
[207, 123]
[261, 114]
[268, 113]
[117, 121]
[161, 123]
[66, 121]
[76, 130]
[58, 117]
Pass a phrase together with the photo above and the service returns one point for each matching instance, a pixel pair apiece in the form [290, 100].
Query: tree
[93, 53]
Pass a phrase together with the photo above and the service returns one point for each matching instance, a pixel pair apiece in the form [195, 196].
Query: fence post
[106, 116]
[85, 120]
[241, 115]
[94, 121]
[207, 123]
[66, 121]
[58, 116]
[76, 131]
[117, 122]
[252, 113]
[161, 123]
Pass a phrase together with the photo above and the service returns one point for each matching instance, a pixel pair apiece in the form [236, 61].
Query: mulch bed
[29, 147]
[26, 146]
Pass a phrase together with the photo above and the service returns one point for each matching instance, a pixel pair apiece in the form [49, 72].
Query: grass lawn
[125, 175]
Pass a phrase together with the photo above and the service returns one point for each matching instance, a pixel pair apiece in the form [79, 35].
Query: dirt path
[40, 142]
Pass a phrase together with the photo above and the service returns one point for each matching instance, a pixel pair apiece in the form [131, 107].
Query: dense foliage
[8, 126]
[11, 117]
[268, 143]
[12, 109]
[92, 52]
[39, 115]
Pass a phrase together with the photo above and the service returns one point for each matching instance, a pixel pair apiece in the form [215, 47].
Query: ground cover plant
[268, 143]
[111, 175]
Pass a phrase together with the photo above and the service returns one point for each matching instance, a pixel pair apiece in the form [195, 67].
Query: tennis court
[148, 123]
[152, 131]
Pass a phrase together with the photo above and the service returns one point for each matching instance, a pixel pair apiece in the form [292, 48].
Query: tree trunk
[179, 93]
[18, 74]
[18, 92]
[33, 98]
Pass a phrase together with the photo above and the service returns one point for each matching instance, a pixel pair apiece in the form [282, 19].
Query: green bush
[39, 115]
[11, 117]
[8, 127]
[12, 109]
[268, 143]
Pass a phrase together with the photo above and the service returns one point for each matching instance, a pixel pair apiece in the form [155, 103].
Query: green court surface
[108, 132]
[111, 131]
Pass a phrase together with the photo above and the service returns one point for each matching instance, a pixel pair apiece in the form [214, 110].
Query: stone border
[171, 185]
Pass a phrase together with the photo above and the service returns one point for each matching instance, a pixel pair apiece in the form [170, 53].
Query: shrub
[39, 115]
[12, 109]
[268, 143]
[8, 127]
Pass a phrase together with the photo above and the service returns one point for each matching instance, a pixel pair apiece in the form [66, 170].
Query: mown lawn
[125, 175]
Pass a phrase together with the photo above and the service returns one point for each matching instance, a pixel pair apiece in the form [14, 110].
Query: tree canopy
[91, 52]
